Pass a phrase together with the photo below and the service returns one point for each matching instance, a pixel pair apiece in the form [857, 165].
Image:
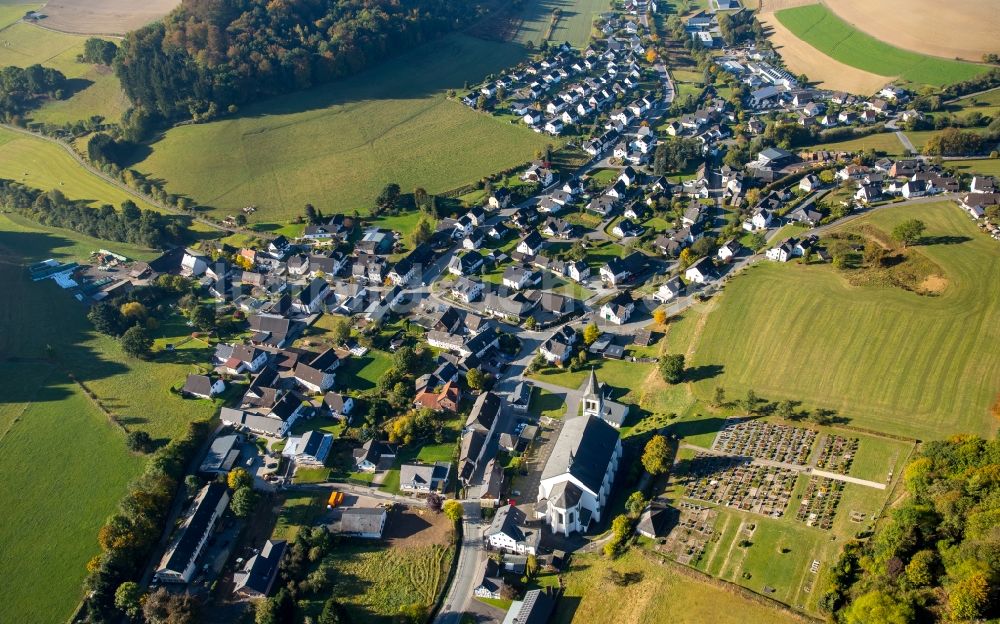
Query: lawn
[545, 404]
[884, 142]
[886, 358]
[981, 166]
[35, 242]
[820, 28]
[299, 510]
[337, 145]
[625, 378]
[660, 594]
[97, 91]
[362, 373]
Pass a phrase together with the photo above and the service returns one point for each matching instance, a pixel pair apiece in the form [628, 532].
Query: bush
[139, 442]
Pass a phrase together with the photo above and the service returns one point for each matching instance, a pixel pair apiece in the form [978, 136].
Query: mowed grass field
[822, 29]
[661, 595]
[65, 464]
[884, 142]
[576, 21]
[95, 90]
[40, 164]
[886, 358]
[337, 145]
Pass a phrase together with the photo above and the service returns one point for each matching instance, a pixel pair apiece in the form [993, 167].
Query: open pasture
[658, 594]
[94, 90]
[103, 17]
[819, 27]
[885, 358]
[337, 145]
[575, 21]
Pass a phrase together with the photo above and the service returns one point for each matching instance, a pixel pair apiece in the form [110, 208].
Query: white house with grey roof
[577, 478]
[508, 532]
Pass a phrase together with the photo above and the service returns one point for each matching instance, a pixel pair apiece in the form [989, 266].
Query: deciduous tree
[655, 455]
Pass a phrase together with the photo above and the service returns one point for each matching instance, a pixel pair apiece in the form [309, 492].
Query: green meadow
[819, 27]
[337, 145]
[94, 90]
[888, 359]
[65, 463]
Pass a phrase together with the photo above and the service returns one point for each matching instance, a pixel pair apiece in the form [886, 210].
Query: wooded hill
[210, 55]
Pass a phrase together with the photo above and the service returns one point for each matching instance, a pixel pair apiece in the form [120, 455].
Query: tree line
[209, 56]
[128, 225]
[937, 557]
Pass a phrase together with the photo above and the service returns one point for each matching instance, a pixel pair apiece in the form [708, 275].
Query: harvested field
[103, 17]
[924, 26]
[818, 26]
[927, 26]
[802, 58]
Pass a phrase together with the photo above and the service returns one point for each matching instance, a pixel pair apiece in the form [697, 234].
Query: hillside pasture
[886, 358]
[103, 17]
[882, 142]
[337, 145]
[658, 591]
[94, 90]
[575, 21]
[822, 29]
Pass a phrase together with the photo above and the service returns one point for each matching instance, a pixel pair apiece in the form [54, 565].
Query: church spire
[592, 387]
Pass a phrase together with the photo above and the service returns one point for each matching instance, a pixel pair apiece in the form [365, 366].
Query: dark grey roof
[222, 454]
[537, 607]
[508, 521]
[197, 524]
[484, 411]
[200, 385]
[259, 572]
[362, 520]
[655, 521]
[584, 449]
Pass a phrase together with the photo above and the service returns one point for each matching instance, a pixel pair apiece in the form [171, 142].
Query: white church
[577, 478]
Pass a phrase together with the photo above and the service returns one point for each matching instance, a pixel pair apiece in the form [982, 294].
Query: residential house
[531, 244]
[489, 582]
[365, 522]
[669, 290]
[311, 449]
[508, 532]
[339, 405]
[701, 271]
[374, 455]
[728, 250]
[256, 578]
[619, 309]
[202, 386]
[424, 478]
[466, 290]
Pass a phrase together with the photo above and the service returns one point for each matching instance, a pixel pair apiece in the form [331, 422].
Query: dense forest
[210, 55]
[129, 225]
[937, 557]
[22, 88]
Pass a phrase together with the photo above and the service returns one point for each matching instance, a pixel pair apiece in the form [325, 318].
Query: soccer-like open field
[65, 465]
[822, 29]
[94, 90]
[104, 17]
[336, 146]
[888, 359]
[660, 594]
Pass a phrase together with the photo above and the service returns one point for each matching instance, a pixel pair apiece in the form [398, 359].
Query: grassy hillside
[65, 465]
[336, 146]
[95, 90]
[819, 27]
[575, 22]
[886, 358]
[659, 595]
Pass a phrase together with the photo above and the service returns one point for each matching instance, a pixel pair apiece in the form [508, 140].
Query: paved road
[471, 555]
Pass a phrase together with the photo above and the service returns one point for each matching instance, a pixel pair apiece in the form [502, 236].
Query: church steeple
[593, 399]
